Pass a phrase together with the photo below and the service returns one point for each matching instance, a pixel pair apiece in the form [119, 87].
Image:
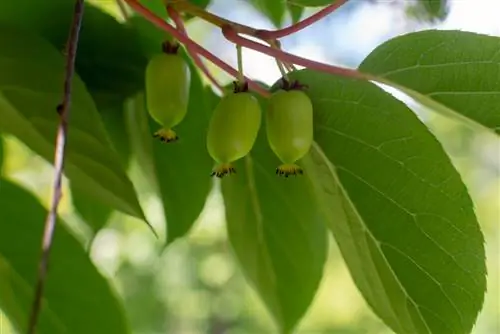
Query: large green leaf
[278, 233]
[94, 213]
[179, 170]
[109, 61]
[31, 86]
[273, 9]
[397, 207]
[454, 72]
[77, 299]
[1, 153]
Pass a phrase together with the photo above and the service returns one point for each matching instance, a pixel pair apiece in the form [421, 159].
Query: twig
[231, 35]
[63, 109]
[275, 34]
[265, 35]
[160, 23]
[174, 15]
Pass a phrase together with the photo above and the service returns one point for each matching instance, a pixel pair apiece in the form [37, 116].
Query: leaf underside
[397, 207]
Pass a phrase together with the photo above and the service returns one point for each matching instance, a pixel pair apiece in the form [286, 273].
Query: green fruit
[168, 79]
[233, 130]
[289, 128]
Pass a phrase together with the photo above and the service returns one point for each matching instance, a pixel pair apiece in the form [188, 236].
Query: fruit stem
[160, 23]
[174, 15]
[241, 76]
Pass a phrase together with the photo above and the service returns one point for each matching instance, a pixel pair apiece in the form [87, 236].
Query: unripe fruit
[289, 128]
[233, 130]
[168, 79]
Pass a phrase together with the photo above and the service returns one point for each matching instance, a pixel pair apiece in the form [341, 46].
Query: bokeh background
[196, 286]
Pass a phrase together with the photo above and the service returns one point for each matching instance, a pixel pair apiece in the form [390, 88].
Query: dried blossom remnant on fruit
[166, 135]
[222, 170]
[289, 169]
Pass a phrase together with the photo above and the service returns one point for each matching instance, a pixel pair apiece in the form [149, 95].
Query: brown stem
[160, 23]
[174, 15]
[233, 36]
[275, 34]
[62, 132]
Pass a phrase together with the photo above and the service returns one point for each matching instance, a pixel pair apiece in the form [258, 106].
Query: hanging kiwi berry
[289, 126]
[233, 129]
[168, 80]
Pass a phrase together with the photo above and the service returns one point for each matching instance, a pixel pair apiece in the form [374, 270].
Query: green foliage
[405, 225]
[295, 11]
[1, 153]
[454, 72]
[77, 298]
[277, 231]
[109, 58]
[375, 176]
[435, 8]
[274, 10]
[179, 170]
[34, 79]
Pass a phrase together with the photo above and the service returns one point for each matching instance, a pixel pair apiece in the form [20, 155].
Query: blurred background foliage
[195, 285]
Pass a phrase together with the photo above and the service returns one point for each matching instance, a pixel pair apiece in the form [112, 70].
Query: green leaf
[31, 86]
[436, 8]
[295, 11]
[452, 72]
[277, 232]
[273, 9]
[179, 170]
[109, 61]
[1, 153]
[93, 212]
[397, 207]
[311, 3]
[77, 299]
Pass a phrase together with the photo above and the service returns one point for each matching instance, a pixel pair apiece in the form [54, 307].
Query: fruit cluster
[236, 120]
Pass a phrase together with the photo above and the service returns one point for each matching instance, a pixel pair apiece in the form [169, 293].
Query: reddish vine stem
[275, 34]
[160, 23]
[231, 35]
[62, 133]
[174, 15]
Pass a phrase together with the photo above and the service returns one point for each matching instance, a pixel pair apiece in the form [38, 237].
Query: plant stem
[188, 7]
[275, 34]
[233, 36]
[174, 15]
[160, 23]
[60, 149]
[239, 52]
[265, 35]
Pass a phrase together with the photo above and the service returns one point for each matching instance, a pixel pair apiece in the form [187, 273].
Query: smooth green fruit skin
[234, 127]
[168, 80]
[289, 125]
